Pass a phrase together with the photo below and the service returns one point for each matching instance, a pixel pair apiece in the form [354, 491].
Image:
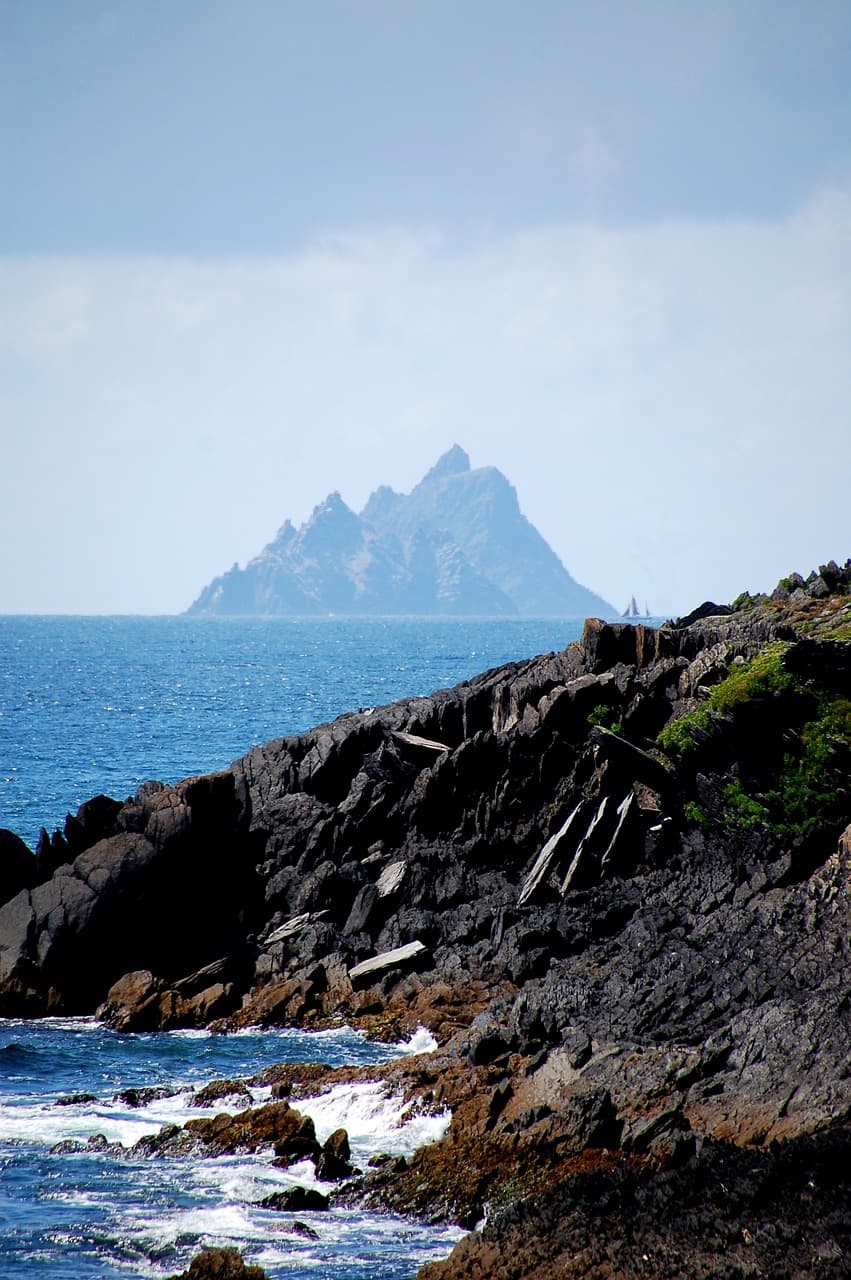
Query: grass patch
[842, 632]
[741, 811]
[681, 735]
[762, 677]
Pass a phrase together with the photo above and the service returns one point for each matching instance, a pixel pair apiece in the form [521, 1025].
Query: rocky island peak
[458, 544]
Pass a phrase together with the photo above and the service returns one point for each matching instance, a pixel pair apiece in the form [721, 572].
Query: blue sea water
[90, 705]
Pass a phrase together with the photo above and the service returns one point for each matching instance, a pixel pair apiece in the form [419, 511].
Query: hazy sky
[251, 252]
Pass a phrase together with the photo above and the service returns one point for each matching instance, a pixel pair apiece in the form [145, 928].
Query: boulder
[220, 1264]
[334, 1161]
[216, 1090]
[94, 820]
[133, 1002]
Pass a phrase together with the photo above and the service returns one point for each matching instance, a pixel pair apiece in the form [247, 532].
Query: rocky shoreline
[612, 881]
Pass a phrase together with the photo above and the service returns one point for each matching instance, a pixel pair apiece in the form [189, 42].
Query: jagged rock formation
[457, 544]
[613, 880]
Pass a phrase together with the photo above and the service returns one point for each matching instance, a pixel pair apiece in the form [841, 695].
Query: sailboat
[632, 610]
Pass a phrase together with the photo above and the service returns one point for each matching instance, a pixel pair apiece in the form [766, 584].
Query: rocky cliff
[457, 544]
[614, 881]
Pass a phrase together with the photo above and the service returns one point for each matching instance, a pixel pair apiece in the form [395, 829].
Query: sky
[253, 252]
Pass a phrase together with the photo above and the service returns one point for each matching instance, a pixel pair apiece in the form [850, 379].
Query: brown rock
[133, 1002]
[218, 1089]
[220, 1264]
[276, 1125]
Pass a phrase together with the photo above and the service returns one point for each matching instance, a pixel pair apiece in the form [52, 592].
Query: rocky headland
[457, 544]
[614, 883]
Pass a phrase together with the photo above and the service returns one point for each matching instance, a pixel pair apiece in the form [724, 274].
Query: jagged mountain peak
[334, 505]
[452, 463]
[457, 543]
[284, 536]
[380, 502]
[332, 527]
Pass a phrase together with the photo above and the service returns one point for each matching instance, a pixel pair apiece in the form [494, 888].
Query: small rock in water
[67, 1147]
[220, 1264]
[295, 1200]
[334, 1161]
[218, 1089]
[302, 1229]
[141, 1097]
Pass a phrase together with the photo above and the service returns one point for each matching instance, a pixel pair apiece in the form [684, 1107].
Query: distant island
[458, 544]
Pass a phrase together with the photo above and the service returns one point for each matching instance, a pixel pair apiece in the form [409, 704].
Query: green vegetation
[763, 676]
[745, 601]
[840, 632]
[694, 813]
[759, 678]
[680, 735]
[741, 811]
[805, 785]
[608, 717]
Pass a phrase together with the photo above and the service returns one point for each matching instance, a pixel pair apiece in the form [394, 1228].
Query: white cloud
[670, 401]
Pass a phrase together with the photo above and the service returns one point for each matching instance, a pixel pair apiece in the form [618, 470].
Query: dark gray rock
[334, 1161]
[296, 1200]
[18, 869]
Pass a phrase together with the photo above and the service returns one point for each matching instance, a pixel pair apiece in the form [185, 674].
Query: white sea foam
[218, 1224]
[217, 1201]
[294, 1258]
[374, 1119]
[422, 1041]
[48, 1124]
[52, 1024]
[248, 1179]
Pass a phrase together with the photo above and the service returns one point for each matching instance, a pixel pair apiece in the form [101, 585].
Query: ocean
[90, 705]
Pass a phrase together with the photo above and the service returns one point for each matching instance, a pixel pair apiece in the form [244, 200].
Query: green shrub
[741, 811]
[679, 736]
[807, 784]
[694, 813]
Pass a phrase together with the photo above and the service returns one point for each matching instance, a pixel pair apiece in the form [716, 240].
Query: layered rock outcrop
[614, 881]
